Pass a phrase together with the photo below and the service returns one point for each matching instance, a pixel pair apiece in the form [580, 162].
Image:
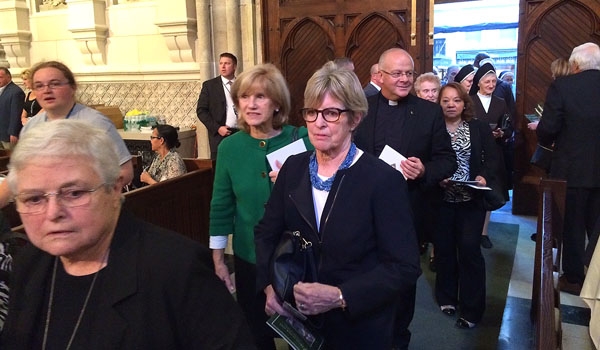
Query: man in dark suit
[372, 88]
[571, 121]
[12, 99]
[215, 106]
[416, 129]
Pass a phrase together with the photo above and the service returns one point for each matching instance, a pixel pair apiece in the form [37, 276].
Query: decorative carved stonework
[48, 5]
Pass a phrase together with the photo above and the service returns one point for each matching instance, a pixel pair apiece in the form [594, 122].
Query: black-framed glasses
[329, 114]
[409, 74]
[155, 137]
[55, 84]
[35, 203]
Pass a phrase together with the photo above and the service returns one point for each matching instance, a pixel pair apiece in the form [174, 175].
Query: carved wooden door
[547, 30]
[301, 35]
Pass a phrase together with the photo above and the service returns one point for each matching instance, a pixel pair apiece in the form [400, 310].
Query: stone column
[87, 23]
[15, 35]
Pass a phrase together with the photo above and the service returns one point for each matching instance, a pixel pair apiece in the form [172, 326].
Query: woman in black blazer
[460, 278]
[340, 198]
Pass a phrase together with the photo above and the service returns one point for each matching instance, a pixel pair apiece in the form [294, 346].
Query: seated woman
[167, 164]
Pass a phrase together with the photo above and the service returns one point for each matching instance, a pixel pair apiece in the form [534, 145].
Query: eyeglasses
[397, 75]
[329, 114]
[53, 85]
[155, 137]
[35, 203]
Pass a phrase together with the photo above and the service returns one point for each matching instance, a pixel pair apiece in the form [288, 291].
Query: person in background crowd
[414, 128]
[372, 88]
[31, 106]
[167, 164]
[215, 107]
[508, 77]
[94, 276]
[502, 90]
[450, 74]
[12, 99]
[465, 76]
[367, 252]
[558, 68]
[55, 87]
[344, 62]
[427, 86]
[460, 278]
[571, 122]
[492, 110]
[242, 185]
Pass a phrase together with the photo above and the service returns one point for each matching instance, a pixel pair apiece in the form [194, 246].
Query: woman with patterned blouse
[460, 278]
[167, 164]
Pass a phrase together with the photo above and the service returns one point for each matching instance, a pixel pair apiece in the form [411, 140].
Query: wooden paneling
[547, 30]
[301, 35]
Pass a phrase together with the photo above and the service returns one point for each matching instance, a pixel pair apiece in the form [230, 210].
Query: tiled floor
[516, 327]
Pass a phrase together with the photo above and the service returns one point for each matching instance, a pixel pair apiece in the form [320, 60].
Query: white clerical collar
[484, 96]
[392, 103]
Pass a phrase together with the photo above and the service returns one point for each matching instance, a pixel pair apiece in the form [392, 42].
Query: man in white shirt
[372, 88]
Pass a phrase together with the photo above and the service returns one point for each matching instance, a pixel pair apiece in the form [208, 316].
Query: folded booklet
[472, 184]
[297, 334]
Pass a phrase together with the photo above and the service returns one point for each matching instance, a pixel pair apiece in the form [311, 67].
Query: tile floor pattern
[516, 330]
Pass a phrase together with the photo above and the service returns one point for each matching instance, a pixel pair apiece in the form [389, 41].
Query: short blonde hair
[26, 74]
[341, 84]
[268, 78]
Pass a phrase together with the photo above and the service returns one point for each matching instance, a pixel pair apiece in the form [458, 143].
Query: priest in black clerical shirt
[416, 129]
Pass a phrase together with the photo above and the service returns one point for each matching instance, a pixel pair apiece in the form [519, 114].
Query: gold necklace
[51, 300]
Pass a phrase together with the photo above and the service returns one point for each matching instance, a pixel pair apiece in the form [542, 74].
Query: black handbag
[293, 261]
[542, 157]
[493, 200]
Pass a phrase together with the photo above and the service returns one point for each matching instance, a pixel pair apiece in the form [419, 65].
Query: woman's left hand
[498, 133]
[316, 298]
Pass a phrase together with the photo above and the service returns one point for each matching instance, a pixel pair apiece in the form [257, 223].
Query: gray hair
[341, 84]
[65, 138]
[586, 56]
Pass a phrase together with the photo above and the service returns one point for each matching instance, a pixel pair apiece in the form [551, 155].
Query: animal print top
[461, 143]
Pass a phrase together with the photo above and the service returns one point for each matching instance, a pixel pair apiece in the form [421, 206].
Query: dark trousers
[253, 304]
[405, 310]
[582, 210]
[460, 274]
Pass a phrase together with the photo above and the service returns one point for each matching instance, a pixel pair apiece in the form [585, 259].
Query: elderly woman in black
[167, 164]
[460, 278]
[494, 111]
[339, 198]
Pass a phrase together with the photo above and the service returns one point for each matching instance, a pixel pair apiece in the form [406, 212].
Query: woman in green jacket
[243, 184]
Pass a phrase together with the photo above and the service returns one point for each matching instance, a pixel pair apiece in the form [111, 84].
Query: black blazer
[366, 244]
[485, 159]
[370, 90]
[422, 135]
[12, 100]
[156, 293]
[212, 110]
[571, 121]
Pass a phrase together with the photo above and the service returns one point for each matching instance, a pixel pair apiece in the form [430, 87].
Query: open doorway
[464, 28]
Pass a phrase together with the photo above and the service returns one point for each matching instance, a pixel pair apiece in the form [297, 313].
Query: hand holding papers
[277, 158]
[393, 158]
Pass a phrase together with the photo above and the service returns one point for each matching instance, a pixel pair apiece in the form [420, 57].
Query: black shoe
[432, 264]
[533, 236]
[464, 324]
[568, 287]
[485, 242]
[449, 310]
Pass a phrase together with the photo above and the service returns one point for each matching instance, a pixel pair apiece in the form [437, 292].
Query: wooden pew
[181, 204]
[545, 300]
